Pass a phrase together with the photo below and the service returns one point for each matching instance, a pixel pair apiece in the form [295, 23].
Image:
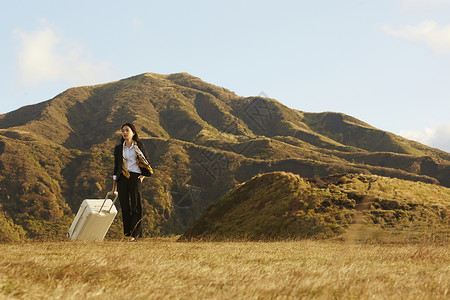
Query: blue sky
[385, 62]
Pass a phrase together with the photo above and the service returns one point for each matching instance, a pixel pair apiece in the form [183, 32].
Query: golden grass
[165, 269]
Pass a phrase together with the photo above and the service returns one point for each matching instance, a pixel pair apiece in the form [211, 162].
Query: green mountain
[283, 205]
[203, 140]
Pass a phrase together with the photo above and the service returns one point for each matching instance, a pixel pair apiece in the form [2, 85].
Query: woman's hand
[141, 177]
[114, 188]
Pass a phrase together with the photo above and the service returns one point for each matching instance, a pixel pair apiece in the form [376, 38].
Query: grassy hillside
[203, 140]
[163, 269]
[285, 206]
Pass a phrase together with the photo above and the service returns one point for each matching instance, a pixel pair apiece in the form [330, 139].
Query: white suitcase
[93, 219]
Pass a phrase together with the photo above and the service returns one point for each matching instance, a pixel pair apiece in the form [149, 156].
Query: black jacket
[118, 160]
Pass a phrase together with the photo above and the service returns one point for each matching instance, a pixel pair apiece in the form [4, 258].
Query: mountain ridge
[202, 139]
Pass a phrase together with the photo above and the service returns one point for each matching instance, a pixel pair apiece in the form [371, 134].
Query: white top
[130, 157]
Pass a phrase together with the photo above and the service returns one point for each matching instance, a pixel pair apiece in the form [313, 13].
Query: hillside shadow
[95, 120]
[70, 174]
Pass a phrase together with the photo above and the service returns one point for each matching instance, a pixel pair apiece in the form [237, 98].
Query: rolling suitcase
[93, 219]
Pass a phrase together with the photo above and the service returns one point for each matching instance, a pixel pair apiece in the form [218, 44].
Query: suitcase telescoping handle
[106, 198]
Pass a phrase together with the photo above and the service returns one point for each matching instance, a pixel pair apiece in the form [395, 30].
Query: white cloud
[428, 32]
[421, 4]
[437, 137]
[46, 55]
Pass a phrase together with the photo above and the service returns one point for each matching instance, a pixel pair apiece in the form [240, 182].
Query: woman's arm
[144, 152]
[141, 146]
[116, 169]
[116, 160]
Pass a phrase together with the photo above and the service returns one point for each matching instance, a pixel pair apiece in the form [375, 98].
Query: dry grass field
[166, 269]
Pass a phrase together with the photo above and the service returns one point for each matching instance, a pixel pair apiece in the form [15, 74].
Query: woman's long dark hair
[135, 136]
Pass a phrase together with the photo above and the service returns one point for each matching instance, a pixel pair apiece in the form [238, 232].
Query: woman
[130, 167]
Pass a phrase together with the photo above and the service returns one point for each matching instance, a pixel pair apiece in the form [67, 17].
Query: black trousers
[130, 201]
